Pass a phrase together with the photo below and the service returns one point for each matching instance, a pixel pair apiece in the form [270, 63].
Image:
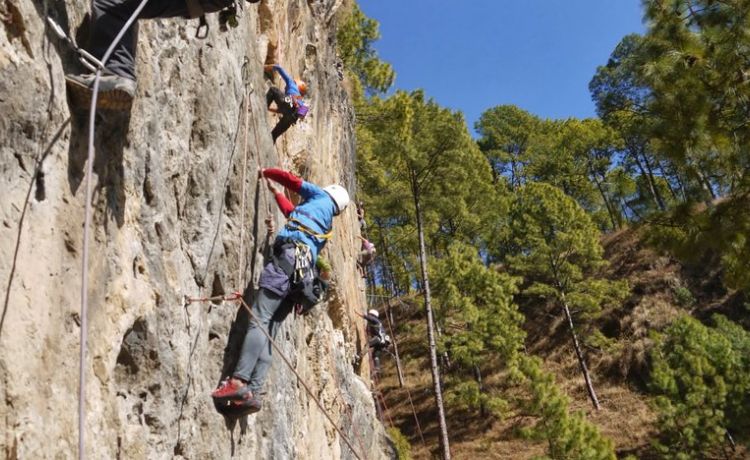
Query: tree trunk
[667, 179]
[607, 203]
[478, 378]
[444, 356]
[706, 185]
[579, 354]
[649, 180]
[391, 327]
[444, 445]
[652, 183]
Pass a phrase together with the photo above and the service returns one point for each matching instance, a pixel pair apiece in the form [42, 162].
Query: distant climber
[289, 103]
[366, 256]
[117, 84]
[285, 281]
[379, 340]
[361, 216]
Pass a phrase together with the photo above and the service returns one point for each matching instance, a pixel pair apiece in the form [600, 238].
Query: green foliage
[505, 133]
[683, 296]
[476, 304]
[467, 395]
[355, 37]
[695, 233]
[556, 248]
[400, 443]
[482, 325]
[411, 147]
[568, 434]
[701, 376]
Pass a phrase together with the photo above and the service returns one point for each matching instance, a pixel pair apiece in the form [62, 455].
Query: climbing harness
[295, 224]
[237, 297]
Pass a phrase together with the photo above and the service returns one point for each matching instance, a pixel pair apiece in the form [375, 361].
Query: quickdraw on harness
[302, 259]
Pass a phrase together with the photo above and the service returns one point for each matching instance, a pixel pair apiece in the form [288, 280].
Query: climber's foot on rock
[115, 92]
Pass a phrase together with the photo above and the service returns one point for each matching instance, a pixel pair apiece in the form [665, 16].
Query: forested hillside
[568, 288]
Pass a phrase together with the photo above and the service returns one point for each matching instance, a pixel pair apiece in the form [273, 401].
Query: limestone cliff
[168, 222]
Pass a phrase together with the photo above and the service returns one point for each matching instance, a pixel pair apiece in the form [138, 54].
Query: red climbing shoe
[247, 405]
[231, 389]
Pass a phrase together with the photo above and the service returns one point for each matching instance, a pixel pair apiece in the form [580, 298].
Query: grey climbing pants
[270, 308]
[108, 17]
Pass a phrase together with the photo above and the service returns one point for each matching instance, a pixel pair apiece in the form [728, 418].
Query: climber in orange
[289, 103]
[286, 281]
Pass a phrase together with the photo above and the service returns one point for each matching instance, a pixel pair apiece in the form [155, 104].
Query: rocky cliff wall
[168, 222]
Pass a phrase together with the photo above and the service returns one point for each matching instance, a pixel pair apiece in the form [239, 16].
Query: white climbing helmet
[339, 195]
[374, 313]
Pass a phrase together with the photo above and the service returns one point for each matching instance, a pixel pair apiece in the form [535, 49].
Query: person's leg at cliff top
[303, 237]
[289, 103]
[118, 82]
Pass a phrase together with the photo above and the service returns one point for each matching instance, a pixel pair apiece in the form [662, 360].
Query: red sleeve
[284, 178]
[284, 204]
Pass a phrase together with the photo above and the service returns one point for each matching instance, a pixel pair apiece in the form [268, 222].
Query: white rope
[86, 231]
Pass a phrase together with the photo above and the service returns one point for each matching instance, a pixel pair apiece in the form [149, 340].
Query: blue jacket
[315, 212]
[291, 86]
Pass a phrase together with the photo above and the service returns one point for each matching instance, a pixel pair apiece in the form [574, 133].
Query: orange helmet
[302, 86]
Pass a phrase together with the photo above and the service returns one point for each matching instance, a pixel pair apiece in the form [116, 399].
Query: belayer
[117, 84]
[286, 281]
[289, 103]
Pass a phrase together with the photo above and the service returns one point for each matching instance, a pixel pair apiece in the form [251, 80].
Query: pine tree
[557, 250]
[505, 133]
[426, 178]
[568, 435]
[701, 376]
[483, 325]
[356, 34]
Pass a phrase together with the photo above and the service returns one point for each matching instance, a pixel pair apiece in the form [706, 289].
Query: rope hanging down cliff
[236, 296]
[86, 231]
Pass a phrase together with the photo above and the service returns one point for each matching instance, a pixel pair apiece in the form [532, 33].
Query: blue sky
[471, 55]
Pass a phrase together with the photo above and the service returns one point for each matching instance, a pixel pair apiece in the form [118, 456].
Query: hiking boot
[231, 389]
[115, 92]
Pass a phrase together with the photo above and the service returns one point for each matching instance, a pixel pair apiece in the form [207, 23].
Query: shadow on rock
[111, 138]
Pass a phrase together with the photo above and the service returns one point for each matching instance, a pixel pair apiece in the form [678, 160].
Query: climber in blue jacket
[289, 103]
[287, 280]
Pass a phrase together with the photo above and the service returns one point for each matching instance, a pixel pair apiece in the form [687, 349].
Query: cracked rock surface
[177, 211]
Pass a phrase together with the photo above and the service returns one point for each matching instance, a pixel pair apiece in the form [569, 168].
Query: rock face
[177, 211]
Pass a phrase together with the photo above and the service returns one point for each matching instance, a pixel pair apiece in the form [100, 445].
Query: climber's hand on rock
[270, 186]
[260, 172]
